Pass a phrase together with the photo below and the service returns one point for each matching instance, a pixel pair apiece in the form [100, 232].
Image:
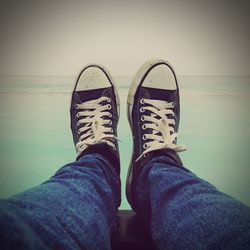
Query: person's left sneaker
[153, 114]
[94, 114]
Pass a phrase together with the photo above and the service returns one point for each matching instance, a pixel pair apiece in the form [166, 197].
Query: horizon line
[204, 75]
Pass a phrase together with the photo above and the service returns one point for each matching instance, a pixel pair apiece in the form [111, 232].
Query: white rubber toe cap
[160, 77]
[92, 77]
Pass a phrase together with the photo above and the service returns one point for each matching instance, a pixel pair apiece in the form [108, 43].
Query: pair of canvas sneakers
[153, 110]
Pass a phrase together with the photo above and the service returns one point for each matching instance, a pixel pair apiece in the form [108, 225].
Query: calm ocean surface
[35, 136]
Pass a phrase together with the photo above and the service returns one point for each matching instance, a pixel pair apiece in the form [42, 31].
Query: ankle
[170, 153]
[107, 152]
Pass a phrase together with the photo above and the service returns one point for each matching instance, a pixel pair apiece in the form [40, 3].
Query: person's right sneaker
[94, 113]
[153, 114]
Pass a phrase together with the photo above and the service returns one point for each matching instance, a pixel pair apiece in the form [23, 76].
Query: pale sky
[60, 37]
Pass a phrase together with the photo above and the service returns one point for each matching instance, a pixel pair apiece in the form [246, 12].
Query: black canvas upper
[79, 97]
[151, 93]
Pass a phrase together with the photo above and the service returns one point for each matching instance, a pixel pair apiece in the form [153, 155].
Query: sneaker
[153, 114]
[94, 114]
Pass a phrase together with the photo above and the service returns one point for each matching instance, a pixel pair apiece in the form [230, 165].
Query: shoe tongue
[162, 94]
[88, 95]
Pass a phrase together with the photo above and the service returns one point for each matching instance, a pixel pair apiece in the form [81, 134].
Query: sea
[36, 140]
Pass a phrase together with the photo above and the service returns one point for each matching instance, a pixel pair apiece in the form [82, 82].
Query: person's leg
[183, 211]
[75, 209]
[186, 212]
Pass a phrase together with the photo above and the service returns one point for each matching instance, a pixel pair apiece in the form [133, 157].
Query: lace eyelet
[172, 104]
[110, 122]
[77, 123]
[143, 126]
[109, 106]
[145, 145]
[108, 100]
[142, 118]
[142, 101]
[144, 137]
[142, 110]
[77, 115]
[77, 106]
[78, 132]
[110, 115]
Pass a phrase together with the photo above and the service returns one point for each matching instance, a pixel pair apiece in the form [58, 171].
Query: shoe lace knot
[95, 125]
[159, 121]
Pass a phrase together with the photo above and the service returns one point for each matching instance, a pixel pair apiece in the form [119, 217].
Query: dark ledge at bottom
[131, 233]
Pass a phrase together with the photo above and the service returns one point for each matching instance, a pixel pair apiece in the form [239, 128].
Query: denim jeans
[76, 209]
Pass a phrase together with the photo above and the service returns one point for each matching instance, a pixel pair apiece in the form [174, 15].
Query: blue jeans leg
[74, 209]
[186, 212]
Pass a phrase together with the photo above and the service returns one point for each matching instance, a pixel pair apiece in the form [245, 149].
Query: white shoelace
[163, 135]
[93, 130]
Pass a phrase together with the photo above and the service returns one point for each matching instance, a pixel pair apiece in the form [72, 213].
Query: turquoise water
[35, 136]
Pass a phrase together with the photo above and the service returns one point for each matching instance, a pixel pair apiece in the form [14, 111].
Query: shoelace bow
[93, 129]
[162, 135]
